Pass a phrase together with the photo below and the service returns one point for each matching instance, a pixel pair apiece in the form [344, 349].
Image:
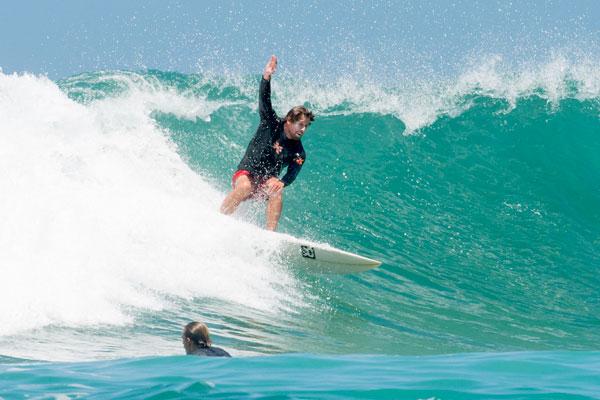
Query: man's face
[295, 130]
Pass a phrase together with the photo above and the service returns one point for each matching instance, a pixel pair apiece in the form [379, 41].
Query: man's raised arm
[264, 97]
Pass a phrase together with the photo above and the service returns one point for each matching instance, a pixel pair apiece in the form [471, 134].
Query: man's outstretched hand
[270, 68]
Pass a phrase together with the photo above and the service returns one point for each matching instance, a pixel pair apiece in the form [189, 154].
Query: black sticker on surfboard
[307, 251]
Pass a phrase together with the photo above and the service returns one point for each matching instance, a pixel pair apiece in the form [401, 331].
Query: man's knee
[243, 185]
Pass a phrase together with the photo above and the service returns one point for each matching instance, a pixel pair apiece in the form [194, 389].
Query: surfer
[196, 341]
[276, 144]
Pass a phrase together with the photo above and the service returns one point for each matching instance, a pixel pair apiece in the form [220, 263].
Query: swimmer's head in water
[195, 334]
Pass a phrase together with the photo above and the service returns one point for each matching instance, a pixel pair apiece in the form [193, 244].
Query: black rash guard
[270, 150]
[211, 352]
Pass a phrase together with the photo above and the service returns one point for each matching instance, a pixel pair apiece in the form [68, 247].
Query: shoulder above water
[211, 352]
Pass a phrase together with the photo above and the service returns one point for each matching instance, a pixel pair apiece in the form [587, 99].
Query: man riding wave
[275, 145]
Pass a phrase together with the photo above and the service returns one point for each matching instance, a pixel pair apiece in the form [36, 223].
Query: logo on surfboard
[307, 251]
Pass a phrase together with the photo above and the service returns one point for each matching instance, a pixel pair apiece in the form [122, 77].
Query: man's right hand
[273, 186]
[270, 68]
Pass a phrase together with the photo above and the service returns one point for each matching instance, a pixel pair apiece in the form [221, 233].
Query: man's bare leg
[274, 207]
[242, 191]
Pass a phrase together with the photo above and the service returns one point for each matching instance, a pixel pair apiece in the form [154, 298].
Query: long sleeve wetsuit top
[270, 150]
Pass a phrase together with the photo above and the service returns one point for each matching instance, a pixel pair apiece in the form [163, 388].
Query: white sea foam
[101, 216]
[143, 94]
[420, 102]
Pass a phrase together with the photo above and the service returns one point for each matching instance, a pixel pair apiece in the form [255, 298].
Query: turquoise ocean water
[479, 193]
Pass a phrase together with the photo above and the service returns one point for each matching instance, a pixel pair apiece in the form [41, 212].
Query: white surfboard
[322, 258]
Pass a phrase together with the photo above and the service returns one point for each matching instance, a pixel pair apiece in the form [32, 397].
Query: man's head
[297, 120]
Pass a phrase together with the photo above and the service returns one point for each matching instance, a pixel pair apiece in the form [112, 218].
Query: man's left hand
[270, 68]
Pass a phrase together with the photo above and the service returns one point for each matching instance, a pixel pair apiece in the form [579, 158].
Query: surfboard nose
[322, 258]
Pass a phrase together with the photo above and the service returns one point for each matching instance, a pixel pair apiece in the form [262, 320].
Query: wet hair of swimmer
[197, 332]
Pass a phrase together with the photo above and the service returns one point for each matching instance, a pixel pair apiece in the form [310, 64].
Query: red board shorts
[256, 183]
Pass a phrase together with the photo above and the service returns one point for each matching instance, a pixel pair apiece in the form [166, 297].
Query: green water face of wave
[487, 222]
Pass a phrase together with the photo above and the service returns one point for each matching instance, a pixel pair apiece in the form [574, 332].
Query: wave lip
[419, 103]
[416, 102]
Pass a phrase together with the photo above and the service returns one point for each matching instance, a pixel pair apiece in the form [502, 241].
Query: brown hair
[298, 112]
[197, 332]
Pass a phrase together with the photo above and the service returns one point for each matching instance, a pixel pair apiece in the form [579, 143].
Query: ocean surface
[479, 193]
